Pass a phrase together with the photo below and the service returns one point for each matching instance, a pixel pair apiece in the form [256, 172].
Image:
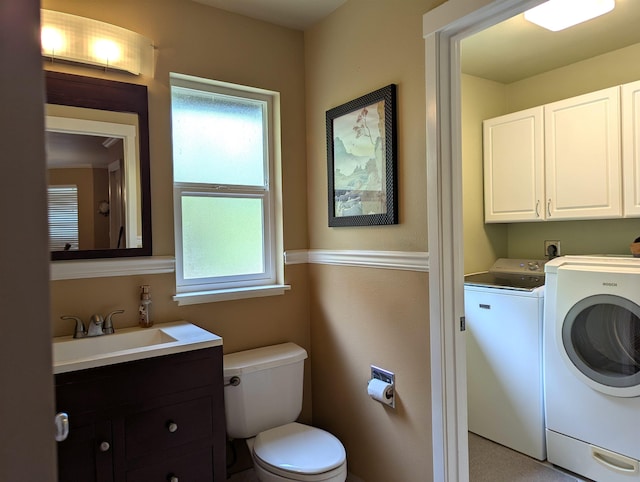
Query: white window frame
[271, 282]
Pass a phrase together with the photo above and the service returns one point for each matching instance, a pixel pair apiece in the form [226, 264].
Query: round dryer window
[601, 336]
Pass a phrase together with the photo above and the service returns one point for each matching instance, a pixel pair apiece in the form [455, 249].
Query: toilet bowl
[297, 452]
[263, 398]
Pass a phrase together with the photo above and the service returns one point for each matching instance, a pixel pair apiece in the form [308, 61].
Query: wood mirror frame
[109, 95]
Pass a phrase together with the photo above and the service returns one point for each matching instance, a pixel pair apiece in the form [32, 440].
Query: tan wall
[526, 240]
[364, 316]
[359, 316]
[607, 70]
[196, 39]
[577, 237]
[27, 450]
[483, 243]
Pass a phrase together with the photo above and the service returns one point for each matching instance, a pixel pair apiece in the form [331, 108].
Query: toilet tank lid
[248, 361]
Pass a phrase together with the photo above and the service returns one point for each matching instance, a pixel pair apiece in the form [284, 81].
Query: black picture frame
[361, 160]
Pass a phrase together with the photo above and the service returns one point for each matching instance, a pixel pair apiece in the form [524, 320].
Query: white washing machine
[504, 313]
[592, 366]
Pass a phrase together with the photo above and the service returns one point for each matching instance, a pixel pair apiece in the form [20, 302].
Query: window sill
[197, 297]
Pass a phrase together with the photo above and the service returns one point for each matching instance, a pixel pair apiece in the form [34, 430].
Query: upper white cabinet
[560, 161]
[631, 148]
[582, 156]
[513, 169]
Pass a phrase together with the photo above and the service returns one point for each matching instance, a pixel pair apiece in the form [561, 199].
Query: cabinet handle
[172, 427]
[537, 208]
[104, 446]
[549, 208]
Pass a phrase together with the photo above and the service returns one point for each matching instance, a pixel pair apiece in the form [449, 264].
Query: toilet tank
[270, 390]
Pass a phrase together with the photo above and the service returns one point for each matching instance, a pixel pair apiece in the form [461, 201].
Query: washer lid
[299, 448]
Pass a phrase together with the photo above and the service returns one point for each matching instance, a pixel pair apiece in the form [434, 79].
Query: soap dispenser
[145, 320]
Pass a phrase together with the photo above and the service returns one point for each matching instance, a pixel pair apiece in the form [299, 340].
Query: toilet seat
[300, 452]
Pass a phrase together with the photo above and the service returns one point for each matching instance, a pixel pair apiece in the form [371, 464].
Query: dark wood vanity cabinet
[158, 419]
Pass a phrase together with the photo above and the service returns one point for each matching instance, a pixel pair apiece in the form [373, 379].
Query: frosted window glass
[217, 139]
[221, 236]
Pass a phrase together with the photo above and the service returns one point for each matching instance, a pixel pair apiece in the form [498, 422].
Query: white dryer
[592, 366]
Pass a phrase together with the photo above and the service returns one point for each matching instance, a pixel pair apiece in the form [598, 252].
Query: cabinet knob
[104, 447]
[172, 427]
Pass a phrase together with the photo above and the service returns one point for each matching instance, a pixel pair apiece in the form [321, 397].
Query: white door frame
[443, 29]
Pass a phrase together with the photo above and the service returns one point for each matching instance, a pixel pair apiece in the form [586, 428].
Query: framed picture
[361, 160]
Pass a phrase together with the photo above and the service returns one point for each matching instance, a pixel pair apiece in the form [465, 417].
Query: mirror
[97, 141]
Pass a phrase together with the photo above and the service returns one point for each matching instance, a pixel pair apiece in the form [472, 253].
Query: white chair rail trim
[101, 268]
[402, 260]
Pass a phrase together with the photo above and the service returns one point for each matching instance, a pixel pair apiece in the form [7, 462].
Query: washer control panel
[518, 266]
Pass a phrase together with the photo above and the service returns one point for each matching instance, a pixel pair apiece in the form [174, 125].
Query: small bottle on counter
[144, 312]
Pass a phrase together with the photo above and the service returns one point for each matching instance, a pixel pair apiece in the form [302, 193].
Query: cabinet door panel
[513, 167]
[631, 148]
[582, 156]
[80, 458]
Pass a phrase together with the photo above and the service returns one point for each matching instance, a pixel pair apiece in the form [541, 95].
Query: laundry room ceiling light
[557, 15]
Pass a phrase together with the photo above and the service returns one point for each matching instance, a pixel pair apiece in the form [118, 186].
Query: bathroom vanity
[156, 418]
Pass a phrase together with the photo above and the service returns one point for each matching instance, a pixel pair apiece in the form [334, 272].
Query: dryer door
[601, 337]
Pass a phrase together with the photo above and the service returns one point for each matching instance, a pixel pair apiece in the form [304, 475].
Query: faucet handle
[80, 330]
[107, 328]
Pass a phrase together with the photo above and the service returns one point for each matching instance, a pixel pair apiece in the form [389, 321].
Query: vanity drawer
[195, 466]
[168, 426]
[134, 382]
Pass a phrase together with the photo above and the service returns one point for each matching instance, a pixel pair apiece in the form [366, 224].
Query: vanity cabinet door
[86, 454]
[145, 420]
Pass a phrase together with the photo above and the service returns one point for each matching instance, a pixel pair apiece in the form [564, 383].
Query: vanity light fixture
[557, 15]
[86, 41]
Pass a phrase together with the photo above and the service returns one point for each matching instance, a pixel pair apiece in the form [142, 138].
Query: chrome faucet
[80, 331]
[97, 325]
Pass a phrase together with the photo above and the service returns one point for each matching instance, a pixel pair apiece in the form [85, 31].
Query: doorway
[444, 29]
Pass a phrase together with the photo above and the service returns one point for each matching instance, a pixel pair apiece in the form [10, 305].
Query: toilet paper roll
[380, 391]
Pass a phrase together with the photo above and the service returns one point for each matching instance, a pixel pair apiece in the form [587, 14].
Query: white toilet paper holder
[387, 377]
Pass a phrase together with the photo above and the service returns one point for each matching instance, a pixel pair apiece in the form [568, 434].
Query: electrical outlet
[552, 249]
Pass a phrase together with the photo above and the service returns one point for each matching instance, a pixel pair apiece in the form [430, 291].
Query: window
[226, 226]
[63, 217]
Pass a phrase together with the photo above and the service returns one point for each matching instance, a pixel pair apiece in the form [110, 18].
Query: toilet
[263, 398]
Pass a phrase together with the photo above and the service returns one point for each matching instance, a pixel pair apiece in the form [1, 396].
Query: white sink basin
[129, 344]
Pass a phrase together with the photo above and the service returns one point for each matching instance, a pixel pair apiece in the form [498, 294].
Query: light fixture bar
[557, 15]
[87, 41]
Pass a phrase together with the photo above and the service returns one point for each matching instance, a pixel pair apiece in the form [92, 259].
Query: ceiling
[516, 49]
[76, 150]
[507, 52]
[296, 14]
